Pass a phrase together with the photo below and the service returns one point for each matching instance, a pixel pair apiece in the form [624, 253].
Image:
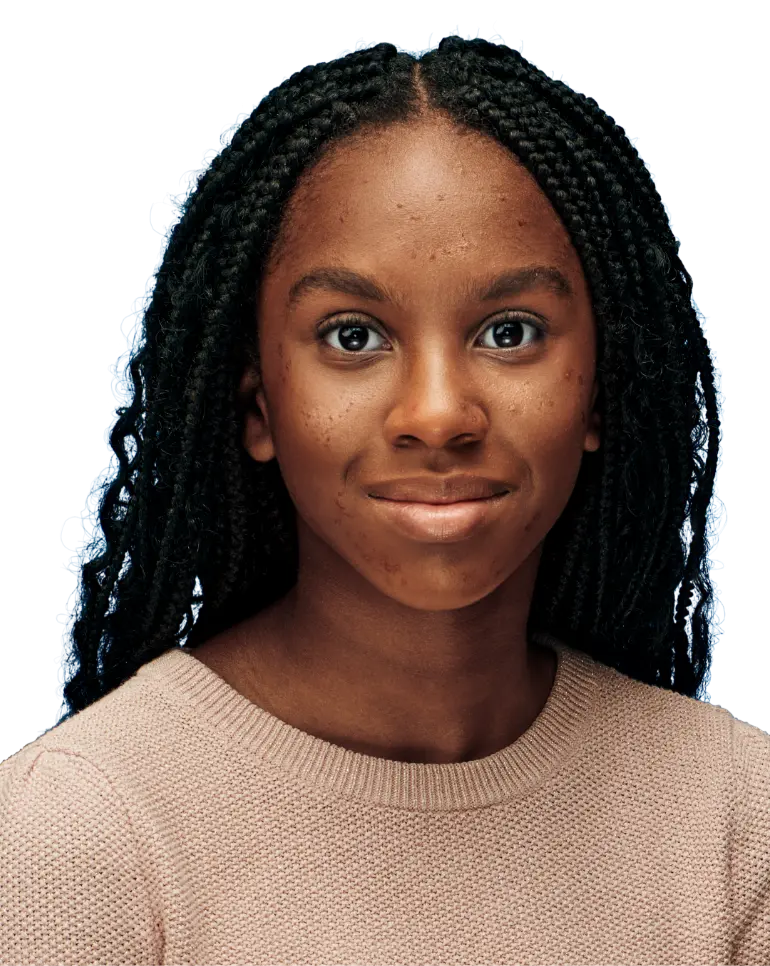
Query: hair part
[189, 510]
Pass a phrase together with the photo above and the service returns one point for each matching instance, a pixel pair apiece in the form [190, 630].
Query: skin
[389, 646]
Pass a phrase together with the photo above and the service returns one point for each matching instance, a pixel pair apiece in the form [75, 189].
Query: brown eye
[508, 333]
[354, 335]
[352, 338]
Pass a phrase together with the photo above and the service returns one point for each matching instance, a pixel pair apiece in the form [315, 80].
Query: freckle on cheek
[535, 517]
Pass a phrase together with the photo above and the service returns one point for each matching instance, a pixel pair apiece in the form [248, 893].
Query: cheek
[557, 396]
[336, 420]
[316, 435]
[548, 423]
[304, 416]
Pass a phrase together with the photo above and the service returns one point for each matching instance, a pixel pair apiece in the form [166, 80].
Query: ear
[257, 438]
[593, 430]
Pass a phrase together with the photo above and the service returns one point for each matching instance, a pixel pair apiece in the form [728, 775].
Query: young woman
[417, 473]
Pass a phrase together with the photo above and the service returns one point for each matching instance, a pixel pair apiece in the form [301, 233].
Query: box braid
[188, 509]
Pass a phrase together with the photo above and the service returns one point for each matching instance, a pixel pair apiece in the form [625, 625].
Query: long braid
[633, 266]
[182, 296]
[189, 506]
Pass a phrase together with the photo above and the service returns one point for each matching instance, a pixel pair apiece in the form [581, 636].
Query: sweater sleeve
[72, 884]
[750, 853]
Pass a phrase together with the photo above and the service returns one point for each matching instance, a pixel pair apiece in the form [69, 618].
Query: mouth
[480, 499]
[441, 522]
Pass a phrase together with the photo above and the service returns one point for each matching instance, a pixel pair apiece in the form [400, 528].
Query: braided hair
[197, 535]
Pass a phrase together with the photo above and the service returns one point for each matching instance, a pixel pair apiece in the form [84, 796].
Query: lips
[433, 502]
[441, 523]
[437, 490]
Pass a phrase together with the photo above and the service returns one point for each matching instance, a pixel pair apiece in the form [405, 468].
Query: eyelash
[358, 322]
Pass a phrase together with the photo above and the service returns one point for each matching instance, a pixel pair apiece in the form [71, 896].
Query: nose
[437, 403]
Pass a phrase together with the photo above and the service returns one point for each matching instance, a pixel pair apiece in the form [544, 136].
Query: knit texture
[174, 821]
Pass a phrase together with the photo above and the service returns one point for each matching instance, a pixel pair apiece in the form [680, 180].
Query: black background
[101, 130]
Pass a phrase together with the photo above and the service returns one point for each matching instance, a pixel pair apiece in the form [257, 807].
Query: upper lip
[431, 489]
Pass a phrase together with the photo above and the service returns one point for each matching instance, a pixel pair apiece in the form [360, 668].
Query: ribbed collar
[553, 737]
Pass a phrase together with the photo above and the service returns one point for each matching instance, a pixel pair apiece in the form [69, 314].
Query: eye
[507, 331]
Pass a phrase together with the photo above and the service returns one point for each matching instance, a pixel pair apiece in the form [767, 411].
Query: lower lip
[441, 522]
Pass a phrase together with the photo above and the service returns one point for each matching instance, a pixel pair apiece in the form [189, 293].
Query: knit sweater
[175, 821]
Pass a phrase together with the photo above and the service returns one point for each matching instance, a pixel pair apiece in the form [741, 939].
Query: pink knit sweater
[174, 821]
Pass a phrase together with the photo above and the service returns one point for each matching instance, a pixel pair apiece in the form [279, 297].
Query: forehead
[421, 190]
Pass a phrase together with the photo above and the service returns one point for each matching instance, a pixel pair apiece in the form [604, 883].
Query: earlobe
[257, 438]
[593, 434]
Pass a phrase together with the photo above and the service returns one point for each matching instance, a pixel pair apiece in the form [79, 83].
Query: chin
[437, 595]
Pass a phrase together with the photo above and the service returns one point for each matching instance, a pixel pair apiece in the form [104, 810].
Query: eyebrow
[511, 282]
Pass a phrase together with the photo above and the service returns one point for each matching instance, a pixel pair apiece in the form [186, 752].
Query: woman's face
[414, 369]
